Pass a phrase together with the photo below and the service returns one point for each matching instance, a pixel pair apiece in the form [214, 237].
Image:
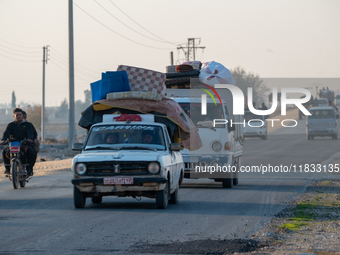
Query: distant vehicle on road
[322, 102]
[257, 127]
[322, 122]
[337, 100]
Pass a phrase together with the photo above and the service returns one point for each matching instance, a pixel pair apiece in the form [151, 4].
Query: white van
[255, 125]
[222, 144]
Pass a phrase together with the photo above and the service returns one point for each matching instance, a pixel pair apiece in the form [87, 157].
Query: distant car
[337, 100]
[255, 125]
[322, 122]
[322, 102]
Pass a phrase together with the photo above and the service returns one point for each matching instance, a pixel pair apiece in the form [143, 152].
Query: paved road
[41, 218]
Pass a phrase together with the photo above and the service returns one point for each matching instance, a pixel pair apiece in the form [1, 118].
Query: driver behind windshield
[111, 138]
[148, 137]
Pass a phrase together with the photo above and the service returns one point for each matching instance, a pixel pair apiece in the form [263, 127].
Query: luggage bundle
[129, 82]
[209, 73]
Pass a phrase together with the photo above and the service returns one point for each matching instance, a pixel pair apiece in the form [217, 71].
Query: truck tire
[227, 183]
[235, 175]
[79, 198]
[162, 197]
[174, 197]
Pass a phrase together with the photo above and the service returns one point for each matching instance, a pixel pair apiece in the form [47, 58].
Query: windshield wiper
[136, 148]
[101, 148]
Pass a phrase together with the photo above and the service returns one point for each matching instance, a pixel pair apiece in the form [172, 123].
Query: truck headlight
[216, 146]
[80, 168]
[153, 168]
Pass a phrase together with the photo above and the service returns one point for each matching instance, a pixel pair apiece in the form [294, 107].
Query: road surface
[41, 218]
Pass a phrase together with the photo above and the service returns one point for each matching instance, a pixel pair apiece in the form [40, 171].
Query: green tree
[13, 100]
[245, 80]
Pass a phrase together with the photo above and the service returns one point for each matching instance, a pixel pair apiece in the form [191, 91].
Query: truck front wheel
[228, 182]
[162, 197]
[79, 198]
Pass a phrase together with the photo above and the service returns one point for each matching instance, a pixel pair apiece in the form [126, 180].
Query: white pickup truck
[222, 144]
[127, 158]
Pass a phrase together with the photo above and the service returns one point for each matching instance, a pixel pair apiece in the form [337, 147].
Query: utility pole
[171, 58]
[45, 58]
[190, 48]
[71, 117]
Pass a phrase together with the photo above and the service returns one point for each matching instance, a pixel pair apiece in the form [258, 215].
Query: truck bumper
[326, 132]
[140, 185]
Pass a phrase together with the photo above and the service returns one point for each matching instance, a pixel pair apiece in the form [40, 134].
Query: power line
[79, 71]
[67, 71]
[78, 65]
[162, 41]
[119, 33]
[27, 52]
[21, 55]
[20, 45]
[174, 43]
[20, 59]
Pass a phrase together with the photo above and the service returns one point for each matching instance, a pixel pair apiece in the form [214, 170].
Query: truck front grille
[117, 168]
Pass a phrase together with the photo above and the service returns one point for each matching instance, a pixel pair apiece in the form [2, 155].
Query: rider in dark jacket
[19, 130]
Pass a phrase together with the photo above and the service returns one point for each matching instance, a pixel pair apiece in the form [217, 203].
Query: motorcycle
[18, 174]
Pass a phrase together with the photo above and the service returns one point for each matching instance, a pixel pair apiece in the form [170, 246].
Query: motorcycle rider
[35, 134]
[19, 130]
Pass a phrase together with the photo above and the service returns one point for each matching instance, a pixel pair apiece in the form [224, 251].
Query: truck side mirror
[77, 146]
[337, 116]
[175, 147]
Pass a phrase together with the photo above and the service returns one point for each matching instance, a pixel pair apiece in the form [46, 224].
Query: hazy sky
[272, 38]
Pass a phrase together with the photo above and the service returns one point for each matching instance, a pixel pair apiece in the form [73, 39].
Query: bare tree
[245, 80]
[34, 115]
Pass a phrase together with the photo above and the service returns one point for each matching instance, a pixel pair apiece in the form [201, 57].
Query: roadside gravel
[309, 225]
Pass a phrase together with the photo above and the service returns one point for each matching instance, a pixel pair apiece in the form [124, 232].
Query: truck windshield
[193, 110]
[321, 114]
[124, 136]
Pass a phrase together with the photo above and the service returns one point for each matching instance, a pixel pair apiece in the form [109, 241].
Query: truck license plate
[118, 180]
